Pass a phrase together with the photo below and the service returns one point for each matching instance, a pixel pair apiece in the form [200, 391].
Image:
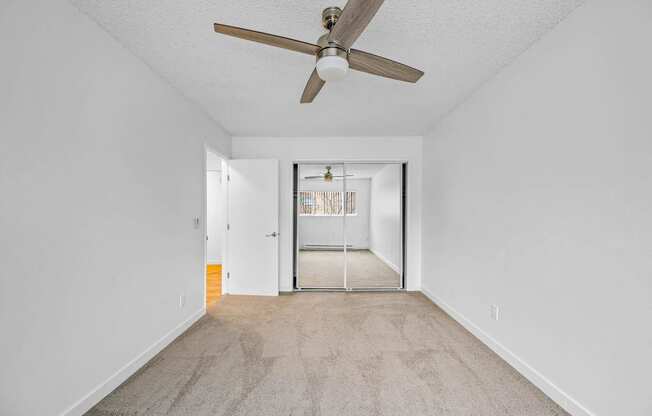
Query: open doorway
[215, 226]
[349, 225]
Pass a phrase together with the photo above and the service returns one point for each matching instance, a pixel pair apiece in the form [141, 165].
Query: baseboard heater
[325, 246]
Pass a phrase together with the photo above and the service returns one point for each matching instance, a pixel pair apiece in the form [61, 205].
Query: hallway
[327, 354]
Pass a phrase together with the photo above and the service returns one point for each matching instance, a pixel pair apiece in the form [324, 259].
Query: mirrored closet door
[349, 225]
[320, 226]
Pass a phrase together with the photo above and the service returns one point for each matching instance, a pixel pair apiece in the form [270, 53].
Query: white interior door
[252, 262]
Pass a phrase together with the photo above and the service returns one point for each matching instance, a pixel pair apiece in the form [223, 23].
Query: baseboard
[560, 397]
[99, 392]
[387, 262]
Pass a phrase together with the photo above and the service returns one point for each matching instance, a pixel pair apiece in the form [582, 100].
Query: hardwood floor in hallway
[213, 283]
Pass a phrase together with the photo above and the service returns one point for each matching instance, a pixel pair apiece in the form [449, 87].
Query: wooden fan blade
[352, 22]
[377, 65]
[312, 87]
[267, 39]
[312, 177]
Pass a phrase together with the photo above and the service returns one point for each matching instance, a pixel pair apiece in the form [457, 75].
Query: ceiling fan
[333, 50]
[327, 176]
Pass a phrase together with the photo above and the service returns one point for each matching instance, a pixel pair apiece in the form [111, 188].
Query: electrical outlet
[195, 222]
[182, 300]
[495, 310]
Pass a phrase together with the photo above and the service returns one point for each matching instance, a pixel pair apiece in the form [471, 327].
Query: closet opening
[349, 225]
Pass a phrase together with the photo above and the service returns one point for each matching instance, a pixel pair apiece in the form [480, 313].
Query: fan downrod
[329, 17]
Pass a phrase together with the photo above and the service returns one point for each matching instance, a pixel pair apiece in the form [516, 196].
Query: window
[326, 203]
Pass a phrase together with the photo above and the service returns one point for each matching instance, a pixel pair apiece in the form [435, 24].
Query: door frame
[204, 219]
[295, 218]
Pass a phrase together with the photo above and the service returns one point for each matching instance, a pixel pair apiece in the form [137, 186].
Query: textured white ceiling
[254, 90]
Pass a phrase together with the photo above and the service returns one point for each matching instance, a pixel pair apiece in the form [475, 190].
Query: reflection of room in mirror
[370, 195]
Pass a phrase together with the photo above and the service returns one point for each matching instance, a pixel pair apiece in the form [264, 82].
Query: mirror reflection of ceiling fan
[327, 176]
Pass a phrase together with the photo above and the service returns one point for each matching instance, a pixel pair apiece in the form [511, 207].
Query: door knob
[274, 234]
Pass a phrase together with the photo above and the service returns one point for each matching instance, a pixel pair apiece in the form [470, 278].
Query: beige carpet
[325, 269]
[327, 354]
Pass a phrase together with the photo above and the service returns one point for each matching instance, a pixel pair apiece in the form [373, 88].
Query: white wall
[385, 215]
[327, 230]
[538, 198]
[97, 241]
[215, 216]
[288, 150]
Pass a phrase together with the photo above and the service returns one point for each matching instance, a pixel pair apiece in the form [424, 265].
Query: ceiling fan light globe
[332, 68]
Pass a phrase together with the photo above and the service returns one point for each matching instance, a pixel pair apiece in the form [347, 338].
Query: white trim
[348, 161]
[560, 397]
[224, 237]
[204, 220]
[344, 229]
[98, 393]
[384, 260]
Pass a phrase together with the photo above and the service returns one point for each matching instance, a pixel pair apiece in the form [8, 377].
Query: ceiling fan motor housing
[332, 59]
[328, 176]
[329, 16]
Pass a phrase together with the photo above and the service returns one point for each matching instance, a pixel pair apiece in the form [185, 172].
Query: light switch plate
[495, 311]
